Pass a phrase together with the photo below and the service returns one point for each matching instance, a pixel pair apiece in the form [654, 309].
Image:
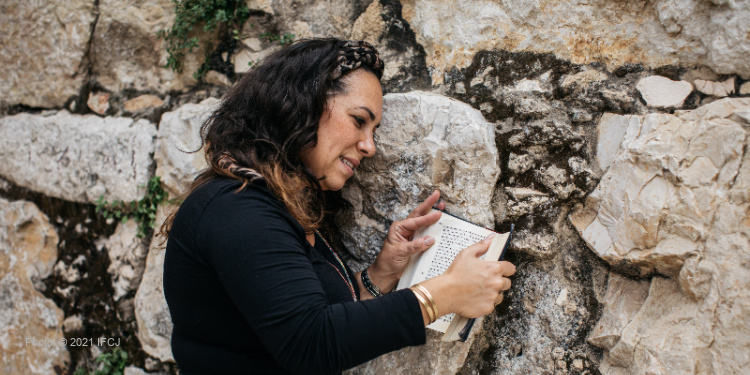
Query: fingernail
[489, 238]
[429, 240]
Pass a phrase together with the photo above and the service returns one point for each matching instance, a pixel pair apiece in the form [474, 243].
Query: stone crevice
[88, 61]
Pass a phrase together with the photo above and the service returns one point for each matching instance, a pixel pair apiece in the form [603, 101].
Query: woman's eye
[360, 121]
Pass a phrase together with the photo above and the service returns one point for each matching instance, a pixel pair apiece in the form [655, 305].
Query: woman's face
[345, 133]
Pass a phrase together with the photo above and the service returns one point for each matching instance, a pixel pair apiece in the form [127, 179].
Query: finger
[425, 207]
[419, 245]
[478, 249]
[505, 283]
[499, 299]
[407, 226]
[507, 268]
[441, 206]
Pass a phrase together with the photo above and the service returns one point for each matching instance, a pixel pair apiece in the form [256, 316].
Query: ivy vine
[227, 15]
[142, 211]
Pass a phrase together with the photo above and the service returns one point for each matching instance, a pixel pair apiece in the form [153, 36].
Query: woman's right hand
[471, 287]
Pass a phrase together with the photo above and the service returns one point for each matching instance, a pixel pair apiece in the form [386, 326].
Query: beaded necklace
[347, 279]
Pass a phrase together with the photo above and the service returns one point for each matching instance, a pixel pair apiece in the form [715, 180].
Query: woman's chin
[333, 185]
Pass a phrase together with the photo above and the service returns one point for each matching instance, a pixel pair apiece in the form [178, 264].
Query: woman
[251, 278]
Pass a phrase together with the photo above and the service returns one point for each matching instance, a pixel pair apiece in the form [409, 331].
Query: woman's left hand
[400, 245]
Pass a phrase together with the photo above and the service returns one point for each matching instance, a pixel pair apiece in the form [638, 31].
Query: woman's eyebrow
[372, 115]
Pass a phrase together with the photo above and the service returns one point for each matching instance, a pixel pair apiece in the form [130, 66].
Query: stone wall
[613, 134]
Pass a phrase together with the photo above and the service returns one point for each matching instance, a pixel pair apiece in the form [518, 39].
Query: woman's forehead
[362, 92]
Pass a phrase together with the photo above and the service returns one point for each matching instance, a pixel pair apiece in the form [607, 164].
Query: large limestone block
[176, 141]
[675, 201]
[657, 204]
[426, 142]
[43, 52]
[77, 158]
[30, 324]
[126, 52]
[654, 33]
[151, 310]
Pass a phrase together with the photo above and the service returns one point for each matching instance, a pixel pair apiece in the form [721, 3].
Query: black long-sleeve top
[249, 295]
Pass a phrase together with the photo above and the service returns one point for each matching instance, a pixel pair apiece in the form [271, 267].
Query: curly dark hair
[272, 115]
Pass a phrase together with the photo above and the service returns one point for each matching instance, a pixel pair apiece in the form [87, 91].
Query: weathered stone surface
[28, 250]
[73, 324]
[132, 370]
[252, 43]
[78, 158]
[616, 132]
[245, 59]
[745, 88]
[522, 201]
[127, 258]
[582, 79]
[536, 332]
[674, 201]
[127, 53]
[69, 274]
[426, 142]
[313, 18]
[142, 102]
[701, 72]
[217, 79]
[44, 50]
[654, 207]
[667, 335]
[660, 91]
[664, 32]
[179, 135]
[622, 301]
[151, 310]
[598, 91]
[371, 27]
[98, 102]
[720, 89]
[261, 5]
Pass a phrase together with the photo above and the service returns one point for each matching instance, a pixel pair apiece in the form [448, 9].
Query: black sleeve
[257, 250]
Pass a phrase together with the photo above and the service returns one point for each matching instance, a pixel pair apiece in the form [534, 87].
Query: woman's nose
[367, 146]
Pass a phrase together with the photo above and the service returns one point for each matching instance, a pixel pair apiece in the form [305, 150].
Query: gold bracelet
[429, 297]
[423, 301]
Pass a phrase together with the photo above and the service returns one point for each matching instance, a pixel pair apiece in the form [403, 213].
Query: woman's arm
[260, 255]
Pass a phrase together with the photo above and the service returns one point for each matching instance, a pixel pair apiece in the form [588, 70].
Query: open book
[452, 234]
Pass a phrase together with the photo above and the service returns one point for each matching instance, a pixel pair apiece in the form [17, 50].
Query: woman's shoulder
[222, 189]
[224, 198]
